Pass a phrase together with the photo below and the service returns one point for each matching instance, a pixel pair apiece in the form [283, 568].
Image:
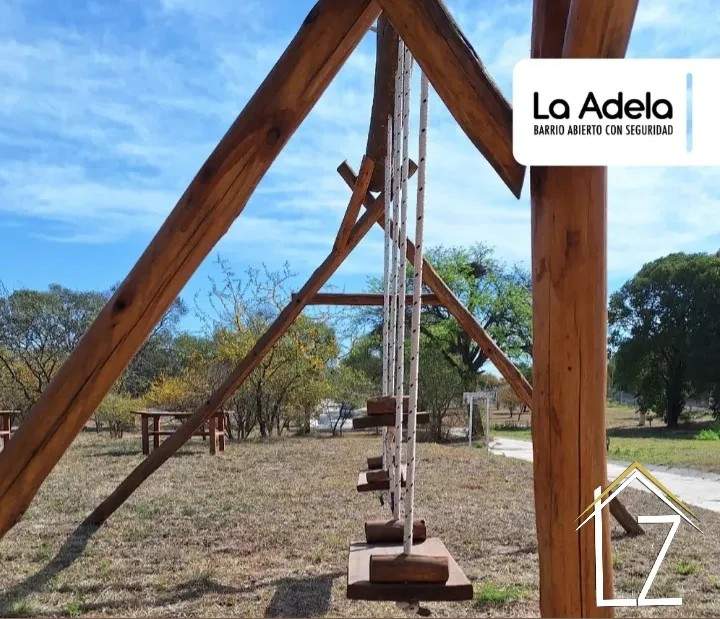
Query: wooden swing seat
[372, 485]
[386, 421]
[385, 404]
[456, 588]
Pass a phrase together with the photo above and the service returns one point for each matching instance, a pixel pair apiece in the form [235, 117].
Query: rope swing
[415, 325]
[399, 562]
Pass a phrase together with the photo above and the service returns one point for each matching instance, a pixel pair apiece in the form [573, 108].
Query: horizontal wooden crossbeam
[467, 321]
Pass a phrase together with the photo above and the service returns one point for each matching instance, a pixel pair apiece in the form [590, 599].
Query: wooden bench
[213, 428]
[6, 426]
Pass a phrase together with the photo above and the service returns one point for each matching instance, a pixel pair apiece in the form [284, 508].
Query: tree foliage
[665, 332]
[38, 330]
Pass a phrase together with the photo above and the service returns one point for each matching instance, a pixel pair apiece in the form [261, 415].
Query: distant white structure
[328, 416]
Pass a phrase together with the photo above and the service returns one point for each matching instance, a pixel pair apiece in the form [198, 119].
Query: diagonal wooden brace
[236, 378]
[466, 320]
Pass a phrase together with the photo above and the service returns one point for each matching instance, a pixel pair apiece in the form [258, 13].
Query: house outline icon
[636, 471]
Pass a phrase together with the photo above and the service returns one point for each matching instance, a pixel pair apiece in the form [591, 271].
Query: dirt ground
[264, 530]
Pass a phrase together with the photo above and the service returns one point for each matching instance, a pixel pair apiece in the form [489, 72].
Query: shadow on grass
[293, 597]
[183, 453]
[302, 597]
[69, 552]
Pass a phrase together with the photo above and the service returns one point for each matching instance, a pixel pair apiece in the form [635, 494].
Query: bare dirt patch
[264, 529]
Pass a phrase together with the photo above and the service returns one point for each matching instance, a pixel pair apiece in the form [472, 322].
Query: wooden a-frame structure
[568, 263]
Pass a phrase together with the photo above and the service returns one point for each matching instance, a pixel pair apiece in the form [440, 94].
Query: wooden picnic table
[213, 427]
[6, 426]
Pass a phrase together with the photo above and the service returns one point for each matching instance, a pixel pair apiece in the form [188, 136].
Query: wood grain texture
[254, 357]
[383, 98]
[460, 79]
[468, 322]
[391, 531]
[406, 568]
[356, 198]
[569, 272]
[364, 299]
[386, 421]
[385, 405]
[456, 588]
[211, 203]
[624, 518]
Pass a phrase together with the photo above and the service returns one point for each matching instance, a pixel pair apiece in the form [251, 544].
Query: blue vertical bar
[689, 121]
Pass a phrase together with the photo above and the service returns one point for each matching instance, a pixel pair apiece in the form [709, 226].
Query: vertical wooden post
[156, 431]
[569, 271]
[212, 424]
[221, 431]
[144, 433]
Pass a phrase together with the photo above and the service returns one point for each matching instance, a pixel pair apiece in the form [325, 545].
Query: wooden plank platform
[359, 587]
[363, 485]
[386, 421]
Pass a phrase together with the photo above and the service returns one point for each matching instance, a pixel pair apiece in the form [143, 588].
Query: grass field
[650, 444]
[264, 528]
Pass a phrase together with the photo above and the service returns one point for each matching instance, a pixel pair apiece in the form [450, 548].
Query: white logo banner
[617, 112]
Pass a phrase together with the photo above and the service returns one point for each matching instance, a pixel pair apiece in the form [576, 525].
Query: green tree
[38, 330]
[497, 295]
[440, 385]
[664, 324]
[242, 308]
[160, 355]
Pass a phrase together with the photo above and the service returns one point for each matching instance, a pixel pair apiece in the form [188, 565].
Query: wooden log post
[145, 433]
[383, 98]
[458, 76]
[569, 272]
[212, 431]
[211, 203]
[624, 518]
[221, 432]
[254, 357]
[466, 320]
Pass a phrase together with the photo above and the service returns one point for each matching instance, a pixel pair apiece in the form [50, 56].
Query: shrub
[116, 412]
[708, 434]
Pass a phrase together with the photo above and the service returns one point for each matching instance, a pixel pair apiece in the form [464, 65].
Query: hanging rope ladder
[397, 561]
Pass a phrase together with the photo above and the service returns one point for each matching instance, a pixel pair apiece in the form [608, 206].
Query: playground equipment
[568, 214]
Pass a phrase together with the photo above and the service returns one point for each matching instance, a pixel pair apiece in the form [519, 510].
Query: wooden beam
[463, 316]
[624, 518]
[254, 357]
[383, 98]
[337, 298]
[211, 203]
[358, 195]
[458, 76]
[569, 272]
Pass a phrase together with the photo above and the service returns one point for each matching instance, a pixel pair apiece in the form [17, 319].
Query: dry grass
[263, 530]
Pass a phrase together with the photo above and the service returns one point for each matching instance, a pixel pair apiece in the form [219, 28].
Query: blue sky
[107, 110]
